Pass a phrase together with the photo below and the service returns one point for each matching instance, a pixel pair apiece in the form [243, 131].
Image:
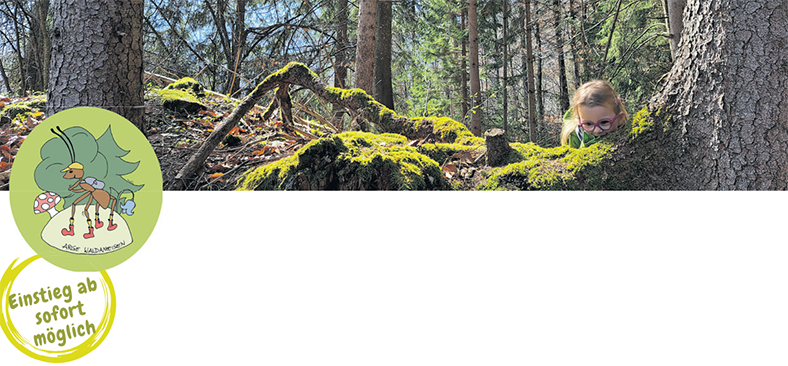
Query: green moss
[646, 120]
[23, 109]
[523, 151]
[386, 119]
[558, 168]
[12, 111]
[641, 123]
[38, 104]
[281, 74]
[350, 161]
[453, 131]
[177, 100]
[188, 85]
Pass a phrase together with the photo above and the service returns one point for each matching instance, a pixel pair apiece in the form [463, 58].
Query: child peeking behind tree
[596, 111]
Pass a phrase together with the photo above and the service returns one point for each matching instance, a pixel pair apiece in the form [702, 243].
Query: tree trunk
[23, 78]
[237, 51]
[41, 40]
[218, 14]
[573, 35]
[365, 46]
[675, 12]
[563, 92]
[464, 71]
[383, 88]
[340, 67]
[505, 67]
[476, 95]
[538, 87]
[530, 68]
[6, 83]
[97, 57]
[726, 96]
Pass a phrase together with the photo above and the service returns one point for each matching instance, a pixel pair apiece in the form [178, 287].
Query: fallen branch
[355, 100]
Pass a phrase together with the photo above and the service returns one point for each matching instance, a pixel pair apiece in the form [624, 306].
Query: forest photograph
[416, 94]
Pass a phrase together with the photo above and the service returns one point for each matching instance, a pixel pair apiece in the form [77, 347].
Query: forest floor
[176, 135]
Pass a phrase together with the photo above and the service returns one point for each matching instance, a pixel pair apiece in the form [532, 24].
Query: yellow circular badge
[55, 321]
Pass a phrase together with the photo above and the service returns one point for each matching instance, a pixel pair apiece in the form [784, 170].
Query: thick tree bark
[383, 88]
[726, 96]
[97, 57]
[365, 46]
[476, 95]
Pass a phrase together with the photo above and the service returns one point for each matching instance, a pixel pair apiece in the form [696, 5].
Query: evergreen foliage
[101, 159]
[229, 45]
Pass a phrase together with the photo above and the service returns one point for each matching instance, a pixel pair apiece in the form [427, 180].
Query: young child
[596, 111]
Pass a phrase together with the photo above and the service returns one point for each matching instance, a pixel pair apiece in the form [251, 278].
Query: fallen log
[356, 100]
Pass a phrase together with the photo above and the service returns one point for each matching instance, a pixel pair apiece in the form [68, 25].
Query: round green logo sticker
[86, 189]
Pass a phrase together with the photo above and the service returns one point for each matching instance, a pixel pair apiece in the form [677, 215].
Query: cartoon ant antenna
[67, 141]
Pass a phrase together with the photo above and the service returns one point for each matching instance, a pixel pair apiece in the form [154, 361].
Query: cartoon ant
[93, 188]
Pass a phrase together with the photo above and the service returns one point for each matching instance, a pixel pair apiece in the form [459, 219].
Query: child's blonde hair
[593, 94]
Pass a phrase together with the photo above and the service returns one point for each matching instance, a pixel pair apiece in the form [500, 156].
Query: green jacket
[579, 139]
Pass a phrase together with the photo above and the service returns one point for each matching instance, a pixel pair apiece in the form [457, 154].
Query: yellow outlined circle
[24, 345]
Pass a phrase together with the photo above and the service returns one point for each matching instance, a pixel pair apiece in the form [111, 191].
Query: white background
[417, 278]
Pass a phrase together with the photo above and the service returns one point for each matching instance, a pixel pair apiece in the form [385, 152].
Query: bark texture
[464, 71]
[340, 60]
[96, 57]
[563, 89]
[530, 67]
[383, 88]
[505, 67]
[473, 45]
[498, 148]
[675, 12]
[726, 97]
[365, 46]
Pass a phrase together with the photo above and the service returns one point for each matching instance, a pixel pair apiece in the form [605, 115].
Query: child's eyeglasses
[604, 124]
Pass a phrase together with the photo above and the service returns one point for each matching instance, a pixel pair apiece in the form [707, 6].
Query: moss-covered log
[350, 161]
[631, 158]
[180, 100]
[363, 105]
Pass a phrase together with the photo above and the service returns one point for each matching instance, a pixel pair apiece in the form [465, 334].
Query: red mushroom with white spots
[46, 202]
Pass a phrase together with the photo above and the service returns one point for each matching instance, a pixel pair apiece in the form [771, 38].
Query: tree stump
[498, 148]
